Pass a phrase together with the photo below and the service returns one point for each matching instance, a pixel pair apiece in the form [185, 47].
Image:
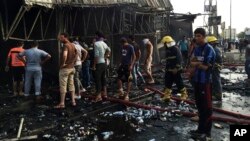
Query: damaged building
[145, 117]
[43, 20]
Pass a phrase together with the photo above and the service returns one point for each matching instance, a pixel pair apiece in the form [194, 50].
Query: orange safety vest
[15, 62]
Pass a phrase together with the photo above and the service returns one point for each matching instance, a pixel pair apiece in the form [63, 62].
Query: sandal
[98, 98]
[104, 96]
[126, 98]
[59, 106]
[120, 93]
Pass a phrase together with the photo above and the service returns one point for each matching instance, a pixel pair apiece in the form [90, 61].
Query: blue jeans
[136, 71]
[29, 77]
[86, 74]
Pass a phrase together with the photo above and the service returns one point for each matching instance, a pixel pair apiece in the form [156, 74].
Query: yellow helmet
[211, 39]
[167, 39]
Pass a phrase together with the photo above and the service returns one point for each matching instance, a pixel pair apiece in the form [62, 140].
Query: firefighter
[173, 69]
[216, 79]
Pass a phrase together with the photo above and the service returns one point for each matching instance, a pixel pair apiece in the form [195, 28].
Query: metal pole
[230, 30]
[47, 26]
[210, 12]
[16, 21]
[37, 16]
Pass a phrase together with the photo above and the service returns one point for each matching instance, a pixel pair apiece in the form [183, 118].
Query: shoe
[126, 98]
[120, 93]
[217, 97]
[98, 98]
[184, 94]
[195, 132]
[82, 90]
[104, 96]
[78, 97]
[151, 82]
[199, 137]
[195, 118]
[167, 95]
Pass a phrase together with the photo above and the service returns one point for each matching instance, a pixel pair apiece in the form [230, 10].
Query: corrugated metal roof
[163, 4]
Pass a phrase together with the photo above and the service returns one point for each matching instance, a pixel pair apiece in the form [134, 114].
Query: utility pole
[230, 32]
[210, 12]
[230, 29]
[211, 9]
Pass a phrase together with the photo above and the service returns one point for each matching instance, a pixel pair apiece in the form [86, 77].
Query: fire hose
[214, 108]
[188, 114]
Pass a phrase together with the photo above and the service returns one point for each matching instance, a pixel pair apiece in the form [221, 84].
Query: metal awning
[156, 4]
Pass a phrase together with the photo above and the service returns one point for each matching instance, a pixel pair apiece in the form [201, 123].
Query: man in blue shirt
[124, 71]
[183, 45]
[34, 59]
[203, 61]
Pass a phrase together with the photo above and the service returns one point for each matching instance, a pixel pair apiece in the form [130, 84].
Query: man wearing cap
[173, 69]
[216, 85]
[148, 60]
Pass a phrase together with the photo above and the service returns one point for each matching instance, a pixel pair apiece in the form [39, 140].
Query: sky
[240, 11]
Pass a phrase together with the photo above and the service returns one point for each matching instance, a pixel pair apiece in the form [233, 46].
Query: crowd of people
[200, 58]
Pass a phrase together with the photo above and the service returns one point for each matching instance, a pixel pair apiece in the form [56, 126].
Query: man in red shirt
[17, 68]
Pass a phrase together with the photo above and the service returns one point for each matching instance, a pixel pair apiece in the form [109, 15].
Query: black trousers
[100, 77]
[170, 78]
[203, 99]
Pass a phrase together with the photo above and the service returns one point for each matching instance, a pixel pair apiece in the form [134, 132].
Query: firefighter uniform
[173, 69]
[216, 79]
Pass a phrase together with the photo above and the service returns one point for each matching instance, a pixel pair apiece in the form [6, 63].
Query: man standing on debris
[34, 59]
[203, 61]
[173, 69]
[126, 66]
[17, 68]
[101, 51]
[82, 54]
[86, 64]
[67, 70]
[148, 59]
[216, 85]
[183, 45]
[136, 70]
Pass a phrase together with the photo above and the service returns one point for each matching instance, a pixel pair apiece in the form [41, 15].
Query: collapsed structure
[43, 20]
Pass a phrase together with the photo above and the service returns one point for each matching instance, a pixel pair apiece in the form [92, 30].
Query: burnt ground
[111, 121]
